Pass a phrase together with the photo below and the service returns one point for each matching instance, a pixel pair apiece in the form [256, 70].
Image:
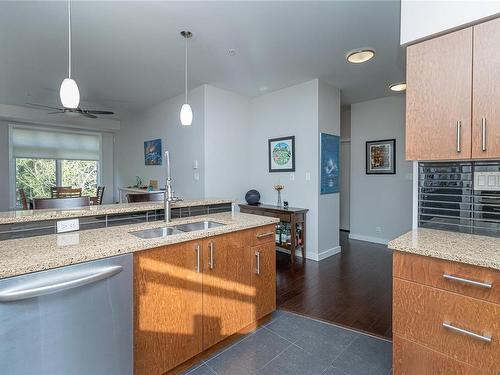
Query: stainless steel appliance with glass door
[72, 320]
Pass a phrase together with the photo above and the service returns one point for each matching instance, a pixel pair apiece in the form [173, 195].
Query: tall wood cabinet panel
[486, 91]
[227, 290]
[264, 279]
[438, 98]
[168, 307]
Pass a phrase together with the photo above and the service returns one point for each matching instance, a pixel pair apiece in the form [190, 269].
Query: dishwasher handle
[41, 288]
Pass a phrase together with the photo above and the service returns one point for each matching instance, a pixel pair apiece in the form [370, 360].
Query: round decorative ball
[252, 197]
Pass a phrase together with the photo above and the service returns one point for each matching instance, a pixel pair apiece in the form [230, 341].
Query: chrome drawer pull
[467, 281]
[459, 133]
[197, 249]
[476, 336]
[257, 255]
[483, 134]
[262, 235]
[211, 262]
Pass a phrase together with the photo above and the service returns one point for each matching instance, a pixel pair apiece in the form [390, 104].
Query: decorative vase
[279, 204]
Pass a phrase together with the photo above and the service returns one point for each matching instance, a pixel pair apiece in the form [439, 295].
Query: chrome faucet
[169, 192]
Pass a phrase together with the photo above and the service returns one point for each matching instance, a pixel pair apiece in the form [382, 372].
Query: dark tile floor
[291, 344]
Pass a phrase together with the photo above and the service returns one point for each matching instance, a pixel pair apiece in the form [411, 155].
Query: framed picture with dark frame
[281, 154]
[381, 157]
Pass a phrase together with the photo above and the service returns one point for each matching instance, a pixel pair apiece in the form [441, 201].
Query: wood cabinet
[452, 96]
[227, 290]
[486, 91]
[444, 325]
[263, 279]
[193, 295]
[167, 307]
[439, 97]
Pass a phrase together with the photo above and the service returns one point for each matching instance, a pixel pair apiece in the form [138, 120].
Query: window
[45, 158]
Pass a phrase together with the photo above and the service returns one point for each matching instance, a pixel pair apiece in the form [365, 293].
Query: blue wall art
[330, 150]
[152, 152]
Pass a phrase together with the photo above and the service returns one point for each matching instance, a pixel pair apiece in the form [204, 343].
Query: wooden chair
[65, 192]
[24, 201]
[136, 198]
[97, 200]
[60, 203]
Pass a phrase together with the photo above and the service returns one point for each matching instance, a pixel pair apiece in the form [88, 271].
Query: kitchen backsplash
[447, 198]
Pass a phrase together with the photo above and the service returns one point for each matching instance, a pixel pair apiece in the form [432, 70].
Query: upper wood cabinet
[486, 91]
[438, 98]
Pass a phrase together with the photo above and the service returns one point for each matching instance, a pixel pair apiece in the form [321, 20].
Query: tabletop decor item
[152, 152]
[252, 197]
[330, 146]
[282, 154]
[278, 188]
[381, 157]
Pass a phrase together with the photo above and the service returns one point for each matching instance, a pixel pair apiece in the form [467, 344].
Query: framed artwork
[152, 152]
[282, 154]
[381, 157]
[330, 150]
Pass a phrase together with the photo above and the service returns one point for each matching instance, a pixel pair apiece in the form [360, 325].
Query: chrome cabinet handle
[459, 131]
[262, 235]
[211, 262]
[483, 133]
[42, 288]
[197, 249]
[476, 336]
[257, 256]
[482, 284]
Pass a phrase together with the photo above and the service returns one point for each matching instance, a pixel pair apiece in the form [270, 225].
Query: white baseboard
[313, 256]
[360, 237]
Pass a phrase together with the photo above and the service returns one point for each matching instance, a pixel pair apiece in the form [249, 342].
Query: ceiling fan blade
[96, 112]
[88, 115]
[45, 106]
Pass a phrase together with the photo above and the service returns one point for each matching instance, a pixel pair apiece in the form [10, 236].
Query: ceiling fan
[90, 113]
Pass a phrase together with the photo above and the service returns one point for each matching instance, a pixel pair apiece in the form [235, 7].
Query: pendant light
[69, 93]
[186, 114]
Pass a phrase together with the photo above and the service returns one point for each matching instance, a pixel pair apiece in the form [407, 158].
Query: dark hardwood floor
[353, 289]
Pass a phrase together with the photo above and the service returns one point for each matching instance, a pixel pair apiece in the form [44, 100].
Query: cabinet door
[168, 307]
[227, 289]
[264, 279]
[486, 91]
[438, 98]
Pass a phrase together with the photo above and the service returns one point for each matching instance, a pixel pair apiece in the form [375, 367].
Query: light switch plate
[69, 225]
[488, 181]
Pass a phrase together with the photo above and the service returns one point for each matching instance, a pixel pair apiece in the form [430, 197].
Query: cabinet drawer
[420, 312]
[410, 358]
[453, 276]
[262, 235]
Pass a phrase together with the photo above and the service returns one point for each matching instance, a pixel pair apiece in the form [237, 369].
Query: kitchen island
[187, 291]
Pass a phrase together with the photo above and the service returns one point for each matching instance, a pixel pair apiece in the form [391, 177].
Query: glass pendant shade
[186, 115]
[69, 93]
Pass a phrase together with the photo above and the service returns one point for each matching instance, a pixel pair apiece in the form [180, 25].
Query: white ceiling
[128, 55]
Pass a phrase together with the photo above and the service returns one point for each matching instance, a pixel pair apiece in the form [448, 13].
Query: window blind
[47, 144]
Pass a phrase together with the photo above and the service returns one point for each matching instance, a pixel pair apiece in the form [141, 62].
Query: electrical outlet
[308, 176]
[68, 225]
[196, 176]
[378, 230]
[292, 176]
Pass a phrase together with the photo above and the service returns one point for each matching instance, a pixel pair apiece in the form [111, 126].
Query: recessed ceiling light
[398, 87]
[359, 56]
[231, 52]
[263, 88]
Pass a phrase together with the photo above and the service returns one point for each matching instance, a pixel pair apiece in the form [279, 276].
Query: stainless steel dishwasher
[74, 320]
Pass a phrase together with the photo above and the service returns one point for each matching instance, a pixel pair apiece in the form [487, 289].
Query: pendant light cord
[186, 67]
[69, 38]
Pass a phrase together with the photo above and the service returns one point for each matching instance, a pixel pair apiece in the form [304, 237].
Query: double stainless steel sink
[181, 228]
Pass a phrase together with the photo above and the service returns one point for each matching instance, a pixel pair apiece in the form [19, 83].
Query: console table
[294, 217]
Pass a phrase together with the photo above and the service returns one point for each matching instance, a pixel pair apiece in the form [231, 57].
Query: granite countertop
[24, 216]
[459, 247]
[25, 255]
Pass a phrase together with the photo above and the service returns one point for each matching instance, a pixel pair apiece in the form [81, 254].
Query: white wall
[345, 167]
[290, 111]
[328, 204]
[186, 144]
[4, 166]
[383, 201]
[423, 19]
[228, 134]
